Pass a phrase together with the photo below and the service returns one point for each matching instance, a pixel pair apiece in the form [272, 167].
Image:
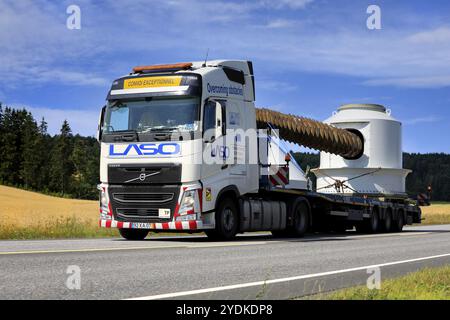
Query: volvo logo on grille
[143, 176]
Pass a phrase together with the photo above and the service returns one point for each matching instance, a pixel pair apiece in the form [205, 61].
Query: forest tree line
[64, 164]
[68, 165]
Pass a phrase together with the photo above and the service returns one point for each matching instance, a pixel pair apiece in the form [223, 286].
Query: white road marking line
[216, 245]
[383, 235]
[397, 234]
[188, 246]
[260, 283]
[84, 250]
[350, 237]
[230, 244]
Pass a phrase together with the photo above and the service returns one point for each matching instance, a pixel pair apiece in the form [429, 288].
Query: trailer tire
[227, 221]
[399, 223]
[133, 234]
[371, 225]
[301, 219]
[387, 225]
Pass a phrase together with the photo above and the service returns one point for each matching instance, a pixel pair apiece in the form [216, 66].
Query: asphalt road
[253, 266]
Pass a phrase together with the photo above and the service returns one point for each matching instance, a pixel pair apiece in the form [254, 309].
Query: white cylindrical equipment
[381, 161]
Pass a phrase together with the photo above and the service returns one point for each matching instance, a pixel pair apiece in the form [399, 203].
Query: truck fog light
[189, 217]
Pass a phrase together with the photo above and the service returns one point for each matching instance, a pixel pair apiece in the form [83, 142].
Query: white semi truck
[184, 149]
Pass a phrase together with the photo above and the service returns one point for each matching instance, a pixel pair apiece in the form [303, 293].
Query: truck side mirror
[219, 122]
[100, 123]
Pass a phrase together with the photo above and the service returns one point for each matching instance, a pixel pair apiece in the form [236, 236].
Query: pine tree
[31, 165]
[62, 167]
[12, 140]
[2, 132]
[43, 147]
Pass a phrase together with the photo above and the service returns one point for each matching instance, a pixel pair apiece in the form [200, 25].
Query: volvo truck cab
[167, 162]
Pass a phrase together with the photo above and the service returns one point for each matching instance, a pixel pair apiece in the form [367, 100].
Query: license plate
[140, 225]
[164, 213]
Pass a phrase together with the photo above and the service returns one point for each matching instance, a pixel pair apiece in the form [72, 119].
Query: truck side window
[209, 117]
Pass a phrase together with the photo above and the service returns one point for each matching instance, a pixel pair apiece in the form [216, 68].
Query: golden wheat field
[438, 213]
[25, 208]
[25, 214]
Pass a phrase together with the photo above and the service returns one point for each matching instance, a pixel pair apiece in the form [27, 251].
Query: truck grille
[143, 197]
[141, 203]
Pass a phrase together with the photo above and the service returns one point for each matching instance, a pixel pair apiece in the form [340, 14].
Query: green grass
[69, 227]
[427, 284]
[66, 228]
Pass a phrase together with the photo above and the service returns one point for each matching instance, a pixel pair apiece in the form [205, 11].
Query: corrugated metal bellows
[311, 133]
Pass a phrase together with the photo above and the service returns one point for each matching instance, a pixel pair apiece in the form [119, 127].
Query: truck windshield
[152, 115]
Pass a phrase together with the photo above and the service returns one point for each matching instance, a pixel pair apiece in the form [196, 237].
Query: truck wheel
[399, 223]
[301, 219]
[387, 221]
[227, 221]
[133, 234]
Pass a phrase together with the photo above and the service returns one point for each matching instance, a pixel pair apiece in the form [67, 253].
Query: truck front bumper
[192, 225]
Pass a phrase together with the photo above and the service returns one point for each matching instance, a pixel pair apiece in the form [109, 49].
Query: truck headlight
[187, 203]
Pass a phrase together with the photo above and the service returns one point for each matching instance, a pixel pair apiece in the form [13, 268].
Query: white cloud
[281, 23]
[412, 82]
[37, 46]
[428, 119]
[292, 4]
[438, 35]
[272, 85]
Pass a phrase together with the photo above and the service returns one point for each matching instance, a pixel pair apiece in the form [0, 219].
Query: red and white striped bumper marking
[280, 178]
[177, 225]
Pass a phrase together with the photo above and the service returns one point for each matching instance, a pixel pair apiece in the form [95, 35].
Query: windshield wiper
[159, 129]
[164, 129]
[126, 135]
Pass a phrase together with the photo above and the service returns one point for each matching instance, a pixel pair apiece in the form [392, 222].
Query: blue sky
[310, 56]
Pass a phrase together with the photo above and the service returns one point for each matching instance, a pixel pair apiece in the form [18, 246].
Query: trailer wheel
[399, 223]
[371, 225]
[301, 219]
[387, 221]
[227, 221]
[133, 234]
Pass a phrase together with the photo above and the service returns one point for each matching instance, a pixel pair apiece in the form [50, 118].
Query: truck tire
[133, 234]
[399, 223]
[227, 221]
[301, 219]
